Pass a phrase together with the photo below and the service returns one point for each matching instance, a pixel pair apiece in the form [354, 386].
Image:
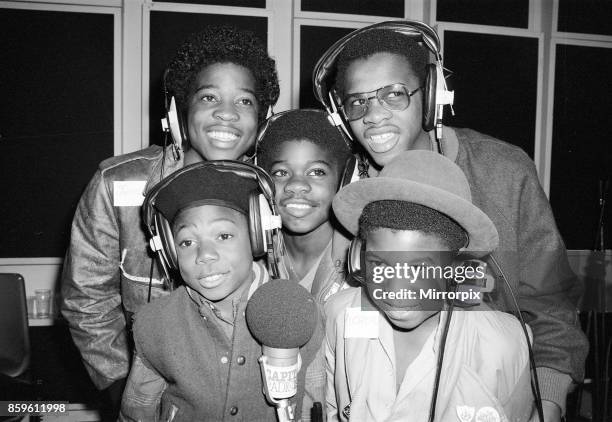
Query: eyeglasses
[394, 97]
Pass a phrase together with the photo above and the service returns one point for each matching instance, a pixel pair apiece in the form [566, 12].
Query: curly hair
[403, 215]
[223, 44]
[382, 41]
[303, 125]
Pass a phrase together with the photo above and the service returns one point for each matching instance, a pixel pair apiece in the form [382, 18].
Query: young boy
[195, 357]
[306, 157]
[223, 82]
[379, 76]
[419, 213]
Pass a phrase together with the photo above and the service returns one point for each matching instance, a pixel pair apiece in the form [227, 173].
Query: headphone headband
[327, 62]
[436, 93]
[263, 218]
[274, 117]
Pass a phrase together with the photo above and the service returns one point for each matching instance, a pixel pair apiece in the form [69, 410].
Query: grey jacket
[532, 255]
[108, 268]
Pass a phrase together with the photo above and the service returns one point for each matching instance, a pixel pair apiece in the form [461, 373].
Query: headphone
[173, 121]
[355, 260]
[351, 170]
[436, 93]
[264, 220]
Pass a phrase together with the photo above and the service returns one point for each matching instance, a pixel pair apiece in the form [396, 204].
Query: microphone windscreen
[281, 314]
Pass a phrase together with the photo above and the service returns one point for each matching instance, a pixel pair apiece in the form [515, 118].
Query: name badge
[128, 193]
[360, 324]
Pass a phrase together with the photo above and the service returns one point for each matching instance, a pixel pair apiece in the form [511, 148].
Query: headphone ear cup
[355, 260]
[168, 251]
[176, 124]
[350, 172]
[429, 98]
[258, 240]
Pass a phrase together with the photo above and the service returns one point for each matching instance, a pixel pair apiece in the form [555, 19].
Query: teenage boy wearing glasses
[380, 80]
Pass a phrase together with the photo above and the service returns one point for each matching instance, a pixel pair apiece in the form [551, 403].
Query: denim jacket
[108, 270]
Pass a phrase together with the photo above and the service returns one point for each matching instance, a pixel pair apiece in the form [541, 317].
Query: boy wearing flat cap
[195, 357]
[386, 340]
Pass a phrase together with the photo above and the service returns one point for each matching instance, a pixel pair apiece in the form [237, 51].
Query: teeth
[222, 135]
[383, 137]
[298, 206]
[213, 277]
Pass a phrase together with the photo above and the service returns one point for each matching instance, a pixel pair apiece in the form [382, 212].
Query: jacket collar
[164, 167]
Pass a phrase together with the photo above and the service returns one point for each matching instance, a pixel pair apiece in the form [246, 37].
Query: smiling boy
[306, 156]
[195, 357]
[379, 76]
[419, 212]
[224, 83]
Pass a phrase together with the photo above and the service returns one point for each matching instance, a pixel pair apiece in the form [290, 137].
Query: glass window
[581, 150]
[585, 16]
[495, 83]
[168, 31]
[314, 41]
[513, 13]
[241, 3]
[56, 122]
[356, 7]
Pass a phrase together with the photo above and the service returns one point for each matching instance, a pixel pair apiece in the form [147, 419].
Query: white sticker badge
[466, 413]
[487, 414]
[128, 193]
[360, 324]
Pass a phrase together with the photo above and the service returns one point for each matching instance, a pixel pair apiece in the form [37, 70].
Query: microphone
[282, 316]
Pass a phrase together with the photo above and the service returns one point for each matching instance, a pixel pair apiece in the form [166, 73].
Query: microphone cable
[535, 384]
[161, 177]
[434, 396]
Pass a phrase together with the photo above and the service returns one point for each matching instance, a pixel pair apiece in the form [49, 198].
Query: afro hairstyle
[302, 125]
[369, 43]
[403, 215]
[223, 44]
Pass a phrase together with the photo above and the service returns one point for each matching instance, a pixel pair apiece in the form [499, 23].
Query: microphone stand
[284, 410]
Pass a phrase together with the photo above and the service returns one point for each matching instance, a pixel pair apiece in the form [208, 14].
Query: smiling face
[306, 180]
[385, 133]
[214, 251]
[388, 248]
[222, 113]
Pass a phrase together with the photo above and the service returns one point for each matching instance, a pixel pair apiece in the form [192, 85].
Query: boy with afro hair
[224, 82]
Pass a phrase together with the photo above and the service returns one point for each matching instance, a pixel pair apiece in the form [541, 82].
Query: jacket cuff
[554, 386]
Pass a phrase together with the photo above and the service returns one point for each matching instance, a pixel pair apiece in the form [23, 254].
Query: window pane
[314, 41]
[513, 13]
[356, 7]
[581, 148]
[241, 3]
[168, 31]
[585, 16]
[56, 122]
[495, 83]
